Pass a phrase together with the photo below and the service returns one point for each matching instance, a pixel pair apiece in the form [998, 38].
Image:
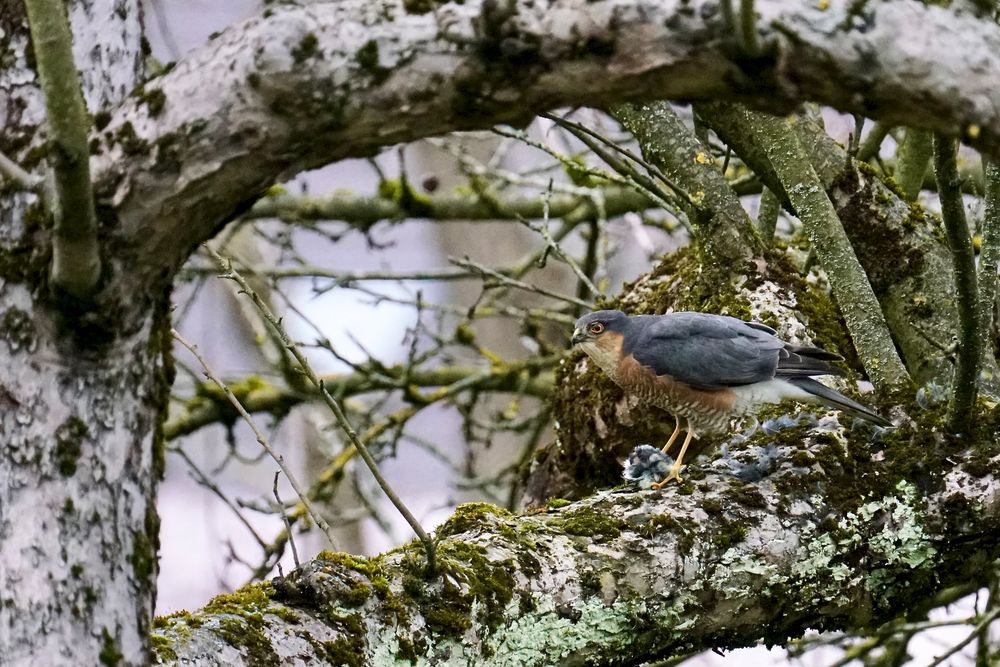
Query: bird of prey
[706, 369]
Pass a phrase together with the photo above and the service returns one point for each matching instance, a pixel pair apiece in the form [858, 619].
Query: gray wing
[706, 351]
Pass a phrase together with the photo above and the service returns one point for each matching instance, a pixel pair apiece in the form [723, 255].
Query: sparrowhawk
[706, 369]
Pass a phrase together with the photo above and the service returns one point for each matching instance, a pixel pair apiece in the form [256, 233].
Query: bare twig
[512, 282]
[284, 518]
[333, 404]
[278, 458]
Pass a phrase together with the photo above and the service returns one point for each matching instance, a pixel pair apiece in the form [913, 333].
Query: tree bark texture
[623, 577]
[302, 86]
[80, 399]
[836, 536]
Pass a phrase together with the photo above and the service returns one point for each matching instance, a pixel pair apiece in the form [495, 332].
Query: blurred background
[384, 278]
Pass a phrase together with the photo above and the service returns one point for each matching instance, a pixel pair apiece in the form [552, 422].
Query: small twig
[334, 406]
[873, 142]
[543, 229]
[278, 458]
[14, 172]
[205, 481]
[966, 380]
[982, 625]
[284, 517]
[512, 282]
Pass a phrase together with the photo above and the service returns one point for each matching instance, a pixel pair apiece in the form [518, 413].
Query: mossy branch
[989, 257]
[965, 383]
[613, 574]
[76, 261]
[723, 230]
[912, 158]
[848, 281]
[332, 403]
[364, 211]
[530, 379]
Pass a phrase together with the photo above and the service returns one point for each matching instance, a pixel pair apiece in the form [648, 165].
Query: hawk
[706, 369]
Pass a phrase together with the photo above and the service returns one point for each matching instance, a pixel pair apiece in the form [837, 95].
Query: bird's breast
[708, 409]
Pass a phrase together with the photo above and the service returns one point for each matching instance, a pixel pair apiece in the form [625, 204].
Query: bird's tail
[837, 400]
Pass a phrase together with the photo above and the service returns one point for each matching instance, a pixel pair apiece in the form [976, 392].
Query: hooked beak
[578, 337]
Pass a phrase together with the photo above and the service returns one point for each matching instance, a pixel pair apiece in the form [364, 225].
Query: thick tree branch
[848, 280]
[725, 235]
[916, 289]
[364, 211]
[302, 86]
[76, 260]
[965, 383]
[624, 577]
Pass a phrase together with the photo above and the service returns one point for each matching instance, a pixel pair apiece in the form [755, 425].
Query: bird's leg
[673, 436]
[675, 469]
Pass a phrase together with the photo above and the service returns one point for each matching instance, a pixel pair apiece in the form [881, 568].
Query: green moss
[101, 119]
[356, 595]
[747, 495]
[154, 99]
[470, 517]
[110, 655]
[253, 598]
[729, 534]
[421, 6]
[556, 503]
[588, 523]
[367, 59]
[447, 606]
[130, 142]
[69, 445]
[415, 204]
[163, 647]
[248, 634]
[308, 47]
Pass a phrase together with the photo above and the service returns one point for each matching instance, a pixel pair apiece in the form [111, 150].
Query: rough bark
[302, 86]
[624, 577]
[79, 401]
[915, 289]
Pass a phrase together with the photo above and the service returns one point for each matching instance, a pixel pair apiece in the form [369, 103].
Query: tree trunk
[80, 398]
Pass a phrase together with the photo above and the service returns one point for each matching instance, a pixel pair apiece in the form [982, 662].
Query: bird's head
[592, 327]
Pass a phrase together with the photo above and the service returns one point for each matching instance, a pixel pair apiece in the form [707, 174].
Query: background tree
[805, 522]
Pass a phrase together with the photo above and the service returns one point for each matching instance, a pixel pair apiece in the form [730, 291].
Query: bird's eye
[596, 328]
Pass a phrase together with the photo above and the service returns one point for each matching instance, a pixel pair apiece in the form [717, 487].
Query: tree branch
[365, 211]
[723, 230]
[327, 91]
[76, 259]
[912, 158]
[915, 290]
[965, 383]
[530, 379]
[625, 577]
[848, 281]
